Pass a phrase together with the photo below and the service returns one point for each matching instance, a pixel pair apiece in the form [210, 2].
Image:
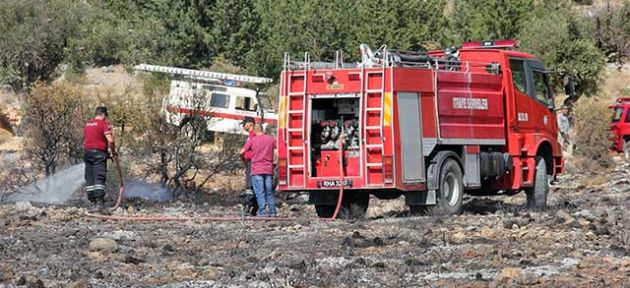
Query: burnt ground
[582, 240]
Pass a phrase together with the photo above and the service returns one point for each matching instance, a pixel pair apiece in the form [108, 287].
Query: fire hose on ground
[159, 218]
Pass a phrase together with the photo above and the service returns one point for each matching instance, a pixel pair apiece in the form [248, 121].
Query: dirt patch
[582, 240]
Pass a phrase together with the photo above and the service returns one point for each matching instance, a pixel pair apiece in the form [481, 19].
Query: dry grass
[616, 84]
[5, 136]
[591, 135]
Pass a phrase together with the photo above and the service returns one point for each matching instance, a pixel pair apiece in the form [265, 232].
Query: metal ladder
[202, 74]
[370, 111]
[294, 150]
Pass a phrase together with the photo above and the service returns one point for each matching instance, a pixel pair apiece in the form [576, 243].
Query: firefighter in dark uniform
[97, 139]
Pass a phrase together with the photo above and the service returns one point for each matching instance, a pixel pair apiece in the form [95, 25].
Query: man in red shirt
[262, 147]
[249, 198]
[97, 138]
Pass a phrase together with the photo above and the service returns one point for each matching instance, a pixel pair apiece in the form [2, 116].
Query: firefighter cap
[247, 119]
[101, 110]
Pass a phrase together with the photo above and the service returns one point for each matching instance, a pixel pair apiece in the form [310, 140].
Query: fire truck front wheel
[451, 191]
[626, 147]
[537, 195]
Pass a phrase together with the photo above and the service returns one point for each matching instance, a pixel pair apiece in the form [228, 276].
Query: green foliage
[553, 36]
[321, 27]
[39, 35]
[234, 27]
[34, 38]
[478, 20]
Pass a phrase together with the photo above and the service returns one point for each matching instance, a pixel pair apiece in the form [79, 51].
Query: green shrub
[54, 116]
[591, 134]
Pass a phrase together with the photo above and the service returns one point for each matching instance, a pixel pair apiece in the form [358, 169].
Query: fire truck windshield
[617, 114]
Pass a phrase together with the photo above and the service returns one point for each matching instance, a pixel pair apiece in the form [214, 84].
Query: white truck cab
[218, 97]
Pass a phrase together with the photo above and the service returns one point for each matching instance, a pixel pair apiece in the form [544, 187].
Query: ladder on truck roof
[202, 74]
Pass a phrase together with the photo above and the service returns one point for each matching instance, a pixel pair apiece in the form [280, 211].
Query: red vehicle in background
[620, 126]
[429, 126]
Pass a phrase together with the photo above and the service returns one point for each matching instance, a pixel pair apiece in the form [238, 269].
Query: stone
[527, 278]
[602, 230]
[103, 244]
[568, 219]
[210, 273]
[586, 214]
[168, 248]
[488, 232]
[23, 206]
[471, 228]
[119, 234]
[569, 262]
[458, 237]
[508, 274]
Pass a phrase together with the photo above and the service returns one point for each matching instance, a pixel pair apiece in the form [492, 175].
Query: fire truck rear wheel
[537, 195]
[626, 148]
[451, 191]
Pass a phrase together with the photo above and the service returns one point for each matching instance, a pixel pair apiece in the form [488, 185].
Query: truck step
[296, 148]
[372, 127]
[374, 109]
[374, 146]
[298, 167]
[294, 130]
[374, 164]
[296, 93]
[373, 91]
[296, 111]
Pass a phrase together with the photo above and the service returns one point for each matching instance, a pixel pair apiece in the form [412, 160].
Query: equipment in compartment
[326, 126]
[331, 121]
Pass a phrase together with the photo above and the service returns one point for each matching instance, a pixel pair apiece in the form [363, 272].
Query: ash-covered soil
[582, 240]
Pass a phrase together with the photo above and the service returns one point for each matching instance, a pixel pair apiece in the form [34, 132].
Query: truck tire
[537, 195]
[626, 148]
[451, 189]
[353, 206]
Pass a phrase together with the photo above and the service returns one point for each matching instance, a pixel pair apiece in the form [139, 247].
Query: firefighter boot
[98, 206]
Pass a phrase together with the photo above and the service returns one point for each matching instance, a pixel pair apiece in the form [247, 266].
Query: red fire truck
[429, 126]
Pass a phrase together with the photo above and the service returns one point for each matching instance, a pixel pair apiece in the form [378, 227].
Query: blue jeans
[264, 194]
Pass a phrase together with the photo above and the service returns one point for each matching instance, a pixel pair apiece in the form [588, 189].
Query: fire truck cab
[620, 126]
[429, 126]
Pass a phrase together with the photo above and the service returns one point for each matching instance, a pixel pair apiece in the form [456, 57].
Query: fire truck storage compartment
[332, 116]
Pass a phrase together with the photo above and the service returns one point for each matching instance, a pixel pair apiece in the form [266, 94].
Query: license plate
[333, 183]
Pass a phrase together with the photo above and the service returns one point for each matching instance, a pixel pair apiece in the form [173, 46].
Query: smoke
[55, 189]
[148, 191]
